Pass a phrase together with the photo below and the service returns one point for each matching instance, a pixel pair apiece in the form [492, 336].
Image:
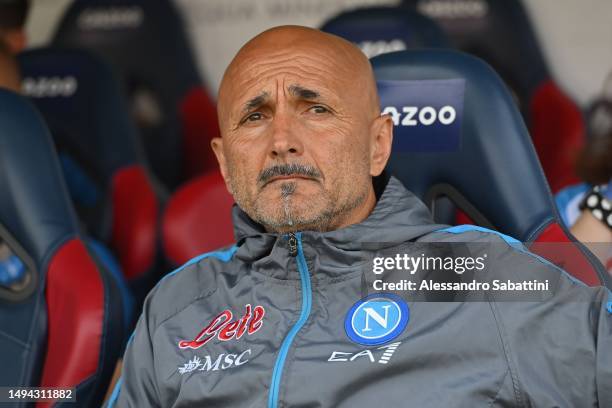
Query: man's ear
[381, 141]
[217, 146]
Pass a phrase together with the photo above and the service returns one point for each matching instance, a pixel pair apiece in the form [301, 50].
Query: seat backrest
[459, 135]
[198, 218]
[500, 32]
[80, 98]
[62, 324]
[377, 30]
[146, 43]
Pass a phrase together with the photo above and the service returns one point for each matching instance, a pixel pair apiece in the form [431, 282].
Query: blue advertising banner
[427, 114]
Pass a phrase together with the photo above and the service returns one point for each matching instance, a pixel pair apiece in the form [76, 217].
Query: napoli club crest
[377, 319]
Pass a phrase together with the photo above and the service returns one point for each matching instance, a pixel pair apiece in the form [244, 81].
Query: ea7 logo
[380, 355]
[374, 48]
[49, 87]
[426, 115]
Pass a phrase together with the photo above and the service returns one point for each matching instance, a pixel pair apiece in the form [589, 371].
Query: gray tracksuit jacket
[283, 321]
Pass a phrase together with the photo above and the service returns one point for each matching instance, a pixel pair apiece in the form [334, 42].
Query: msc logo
[110, 18]
[223, 362]
[426, 116]
[49, 87]
[374, 48]
[377, 319]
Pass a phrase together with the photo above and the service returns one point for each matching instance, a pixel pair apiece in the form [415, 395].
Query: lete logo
[225, 329]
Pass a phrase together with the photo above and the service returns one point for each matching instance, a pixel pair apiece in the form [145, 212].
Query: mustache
[293, 169]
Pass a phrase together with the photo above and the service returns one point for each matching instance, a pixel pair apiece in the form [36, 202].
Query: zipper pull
[293, 248]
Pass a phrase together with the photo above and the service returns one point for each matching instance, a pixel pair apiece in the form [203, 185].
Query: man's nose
[285, 138]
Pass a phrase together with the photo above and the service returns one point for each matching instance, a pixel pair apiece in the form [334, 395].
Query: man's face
[296, 138]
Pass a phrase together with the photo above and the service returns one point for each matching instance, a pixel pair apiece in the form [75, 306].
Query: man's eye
[319, 109]
[255, 116]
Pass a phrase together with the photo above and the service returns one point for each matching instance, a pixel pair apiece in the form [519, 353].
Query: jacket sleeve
[137, 386]
[559, 350]
[604, 353]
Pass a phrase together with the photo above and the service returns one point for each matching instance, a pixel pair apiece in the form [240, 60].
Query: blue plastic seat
[146, 43]
[459, 136]
[378, 30]
[61, 323]
[115, 196]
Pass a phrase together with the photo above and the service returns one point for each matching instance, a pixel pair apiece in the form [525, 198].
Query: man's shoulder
[194, 280]
[467, 234]
[509, 257]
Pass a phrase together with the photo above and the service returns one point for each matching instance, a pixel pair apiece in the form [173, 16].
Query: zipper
[295, 250]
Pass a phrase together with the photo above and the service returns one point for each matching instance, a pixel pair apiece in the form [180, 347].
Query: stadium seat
[113, 193]
[459, 135]
[377, 30]
[499, 31]
[61, 320]
[198, 219]
[145, 42]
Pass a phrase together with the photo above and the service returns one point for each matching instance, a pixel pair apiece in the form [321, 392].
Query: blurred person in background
[13, 14]
[586, 208]
[9, 70]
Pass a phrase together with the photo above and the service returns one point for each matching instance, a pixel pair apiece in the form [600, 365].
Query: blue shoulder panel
[458, 229]
[223, 256]
[513, 242]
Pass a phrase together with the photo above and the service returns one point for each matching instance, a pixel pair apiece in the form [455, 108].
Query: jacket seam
[199, 297]
[278, 281]
[344, 278]
[187, 267]
[501, 386]
[508, 356]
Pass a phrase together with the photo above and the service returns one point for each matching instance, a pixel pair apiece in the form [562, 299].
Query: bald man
[286, 316]
[283, 85]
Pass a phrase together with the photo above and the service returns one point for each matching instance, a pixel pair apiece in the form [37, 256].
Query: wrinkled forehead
[289, 66]
[331, 72]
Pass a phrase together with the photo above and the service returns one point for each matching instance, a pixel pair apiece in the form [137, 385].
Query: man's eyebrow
[255, 102]
[302, 92]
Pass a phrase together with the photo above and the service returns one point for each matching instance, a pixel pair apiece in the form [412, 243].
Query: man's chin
[281, 219]
[295, 191]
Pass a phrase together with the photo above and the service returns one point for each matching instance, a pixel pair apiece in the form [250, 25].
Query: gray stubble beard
[286, 221]
[287, 190]
[322, 222]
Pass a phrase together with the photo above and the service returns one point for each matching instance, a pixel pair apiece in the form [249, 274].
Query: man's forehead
[285, 72]
[288, 59]
[294, 90]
